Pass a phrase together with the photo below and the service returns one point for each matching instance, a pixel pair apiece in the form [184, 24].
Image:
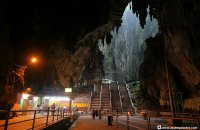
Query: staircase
[115, 98]
[126, 103]
[110, 97]
[95, 102]
[105, 97]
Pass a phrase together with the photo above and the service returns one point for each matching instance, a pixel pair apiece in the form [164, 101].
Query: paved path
[28, 124]
[87, 123]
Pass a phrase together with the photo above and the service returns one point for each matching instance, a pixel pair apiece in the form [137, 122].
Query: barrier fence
[50, 117]
[125, 121]
[153, 122]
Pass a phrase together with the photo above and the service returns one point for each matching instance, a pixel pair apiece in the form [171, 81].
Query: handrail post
[120, 98]
[127, 121]
[129, 95]
[117, 119]
[47, 116]
[7, 118]
[111, 101]
[34, 120]
[148, 123]
[91, 96]
[58, 114]
[63, 112]
[198, 122]
[53, 111]
[100, 97]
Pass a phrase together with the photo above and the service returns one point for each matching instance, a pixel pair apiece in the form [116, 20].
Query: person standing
[96, 112]
[53, 107]
[93, 113]
[100, 114]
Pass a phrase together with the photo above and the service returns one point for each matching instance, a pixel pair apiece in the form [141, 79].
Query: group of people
[96, 113]
[54, 108]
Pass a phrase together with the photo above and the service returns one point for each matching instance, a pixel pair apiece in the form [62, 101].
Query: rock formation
[179, 38]
[74, 35]
[64, 38]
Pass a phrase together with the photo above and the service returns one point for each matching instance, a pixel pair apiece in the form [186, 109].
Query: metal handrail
[129, 95]
[6, 124]
[197, 119]
[110, 101]
[120, 98]
[100, 100]
[110, 97]
[91, 96]
[128, 122]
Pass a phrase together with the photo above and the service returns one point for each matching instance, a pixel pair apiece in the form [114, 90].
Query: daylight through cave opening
[124, 54]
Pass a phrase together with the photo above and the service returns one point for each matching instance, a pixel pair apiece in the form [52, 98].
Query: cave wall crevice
[178, 27]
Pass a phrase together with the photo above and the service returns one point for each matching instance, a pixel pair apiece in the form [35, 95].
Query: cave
[152, 46]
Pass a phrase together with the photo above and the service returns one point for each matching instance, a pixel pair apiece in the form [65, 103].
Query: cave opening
[126, 45]
[124, 54]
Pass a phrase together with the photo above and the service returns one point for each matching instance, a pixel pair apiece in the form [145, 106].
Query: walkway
[87, 123]
[41, 123]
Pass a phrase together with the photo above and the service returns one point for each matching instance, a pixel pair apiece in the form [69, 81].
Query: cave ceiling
[34, 27]
[64, 35]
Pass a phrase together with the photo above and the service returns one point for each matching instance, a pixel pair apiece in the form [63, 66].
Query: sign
[69, 90]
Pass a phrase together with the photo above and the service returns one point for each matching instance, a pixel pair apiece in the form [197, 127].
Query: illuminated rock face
[179, 27]
[178, 20]
[38, 29]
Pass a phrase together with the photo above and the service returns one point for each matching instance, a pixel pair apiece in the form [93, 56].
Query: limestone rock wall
[179, 38]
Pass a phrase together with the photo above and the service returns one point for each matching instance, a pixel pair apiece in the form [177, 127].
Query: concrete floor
[87, 123]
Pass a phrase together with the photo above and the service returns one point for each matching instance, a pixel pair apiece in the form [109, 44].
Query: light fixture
[35, 98]
[34, 60]
[57, 98]
[25, 96]
[68, 90]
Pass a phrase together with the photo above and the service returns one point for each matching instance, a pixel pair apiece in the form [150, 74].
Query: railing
[100, 100]
[91, 96]
[110, 101]
[129, 95]
[100, 95]
[149, 122]
[120, 98]
[58, 114]
[118, 87]
[188, 123]
[110, 97]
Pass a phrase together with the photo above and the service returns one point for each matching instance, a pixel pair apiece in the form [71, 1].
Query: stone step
[96, 100]
[105, 104]
[105, 99]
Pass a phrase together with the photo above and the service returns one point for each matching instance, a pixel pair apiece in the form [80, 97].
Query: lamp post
[25, 94]
[69, 93]
[34, 60]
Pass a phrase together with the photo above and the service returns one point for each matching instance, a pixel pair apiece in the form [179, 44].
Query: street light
[21, 71]
[15, 80]
[34, 60]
